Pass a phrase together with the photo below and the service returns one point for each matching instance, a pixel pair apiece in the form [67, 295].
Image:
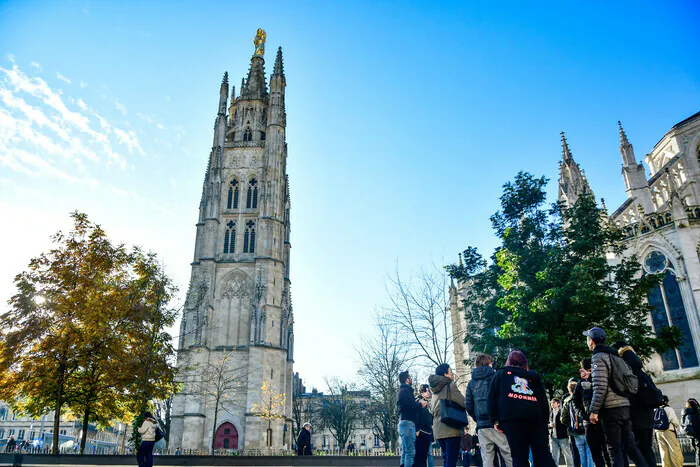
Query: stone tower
[572, 180]
[238, 303]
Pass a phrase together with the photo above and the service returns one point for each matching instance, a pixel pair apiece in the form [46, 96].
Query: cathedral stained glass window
[232, 201]
[252, 197]
[249, 238]
[669, 310]
[230, 238]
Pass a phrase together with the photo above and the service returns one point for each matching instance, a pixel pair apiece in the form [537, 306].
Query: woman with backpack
[690, 424]
[518, 406]
[666, 425]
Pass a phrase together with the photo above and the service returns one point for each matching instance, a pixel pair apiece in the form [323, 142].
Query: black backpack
[648, 394]
[661, 421]
[622, 380]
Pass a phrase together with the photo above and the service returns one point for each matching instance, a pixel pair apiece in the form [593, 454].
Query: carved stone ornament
[238, 286]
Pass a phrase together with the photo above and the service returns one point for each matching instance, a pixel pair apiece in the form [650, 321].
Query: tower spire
[223, 94]
[566, 152]
[623, 136]
[279, 65]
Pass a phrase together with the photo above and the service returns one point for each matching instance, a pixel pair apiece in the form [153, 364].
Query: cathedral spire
[566, 153]
[279, 65]
[223, 94]
[255, 85]
[626, 149]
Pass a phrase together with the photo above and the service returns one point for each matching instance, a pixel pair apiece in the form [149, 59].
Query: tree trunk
[86, 424]
[59, 405]
[213, 430]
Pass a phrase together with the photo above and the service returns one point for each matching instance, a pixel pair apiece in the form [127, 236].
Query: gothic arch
[692, 151]
[236, 284]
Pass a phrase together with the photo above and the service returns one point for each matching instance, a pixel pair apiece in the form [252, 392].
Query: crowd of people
[609, 415]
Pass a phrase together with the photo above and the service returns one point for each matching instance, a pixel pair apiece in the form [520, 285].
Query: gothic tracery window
[248, 135]
[230, 238]
[252, 197]
[249, 238]
[669, 310]
[232, 200]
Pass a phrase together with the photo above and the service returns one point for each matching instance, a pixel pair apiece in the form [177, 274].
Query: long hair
[693, 403]
[517, 359]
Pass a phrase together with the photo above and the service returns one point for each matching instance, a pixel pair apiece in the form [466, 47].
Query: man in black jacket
[408, 417]
[612, 408]
[304, 441]
[583, 394]
[477, 400]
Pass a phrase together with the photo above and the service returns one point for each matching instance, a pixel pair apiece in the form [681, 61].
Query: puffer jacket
[148, 430]
[477, 396]
[690, 422]
[583, 394]
[443, 387]
[642, 417]
[603, 395]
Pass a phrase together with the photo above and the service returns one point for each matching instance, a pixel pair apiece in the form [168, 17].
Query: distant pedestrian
[518, 406]
[443, 388]
[466, 448]
[424, 430]
[11, 444]
[666, 425]
[408, 417]
[304, 440]
[559, 435]
[583, 395]
[477, 401]
[177, 451]
[575, 426]
[690, 423]
[607, 407]
[144, 456]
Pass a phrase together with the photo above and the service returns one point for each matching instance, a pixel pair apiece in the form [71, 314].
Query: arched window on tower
[249, 238]
[248, 135]
[669, 310]
[232, 201]
[252, 197]
[230, 238]
[262, 136]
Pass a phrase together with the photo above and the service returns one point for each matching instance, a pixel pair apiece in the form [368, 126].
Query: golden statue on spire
[259, 42]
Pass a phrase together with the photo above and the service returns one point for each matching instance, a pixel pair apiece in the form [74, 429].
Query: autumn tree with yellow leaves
[271, 407]
[85, 331]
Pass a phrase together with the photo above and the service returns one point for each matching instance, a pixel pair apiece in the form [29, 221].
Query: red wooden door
[226, 437]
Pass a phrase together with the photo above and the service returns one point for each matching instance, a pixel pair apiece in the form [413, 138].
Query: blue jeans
[144, 456]
[450, 450]
[407, 431]
[584, 451]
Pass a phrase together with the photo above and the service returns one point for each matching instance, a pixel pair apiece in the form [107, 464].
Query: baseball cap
[596, 334]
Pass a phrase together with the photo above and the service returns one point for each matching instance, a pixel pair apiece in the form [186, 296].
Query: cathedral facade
[238, 311]
[661, 222]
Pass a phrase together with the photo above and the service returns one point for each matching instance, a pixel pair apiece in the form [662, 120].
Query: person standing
[443, 388]
[607, 407]
[583, 394]
[424, 430]
[642, 404]
[465, 448]
[304, 440]
[11, 444]
[518, 406]
[690, 423]
[144, 456]
[559, 435]
[408, 415]
[575, 426]
[666, 425]
[477, 401]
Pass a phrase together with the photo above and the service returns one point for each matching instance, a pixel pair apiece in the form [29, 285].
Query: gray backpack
[622, 380]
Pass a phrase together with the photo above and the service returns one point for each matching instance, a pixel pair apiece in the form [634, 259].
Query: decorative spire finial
[279, 66]
[623, 136]
[565, 147]
[224, 84]
[461, 265]
[259, 42]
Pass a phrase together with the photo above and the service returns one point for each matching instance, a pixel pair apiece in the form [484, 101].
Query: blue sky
[404, 121]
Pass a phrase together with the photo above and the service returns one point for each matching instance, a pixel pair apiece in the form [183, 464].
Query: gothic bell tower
[239, 302]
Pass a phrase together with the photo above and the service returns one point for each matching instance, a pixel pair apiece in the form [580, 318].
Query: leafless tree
[420, 310]
[341, 410]
[222, 382]
[383, 355]
[162, 412]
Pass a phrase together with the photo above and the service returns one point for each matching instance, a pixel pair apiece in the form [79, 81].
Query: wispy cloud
[121, 107]
[63, 78]
[36, 65]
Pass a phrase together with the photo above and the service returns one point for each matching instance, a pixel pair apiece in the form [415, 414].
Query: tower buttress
[633, 174]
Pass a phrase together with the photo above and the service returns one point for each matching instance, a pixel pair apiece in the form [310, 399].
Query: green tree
[550, 279]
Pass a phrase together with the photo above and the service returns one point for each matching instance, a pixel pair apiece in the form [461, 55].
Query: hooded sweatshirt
[148, 430]
[443, 387]
[641, 415]
[517, 394]
[477, 396]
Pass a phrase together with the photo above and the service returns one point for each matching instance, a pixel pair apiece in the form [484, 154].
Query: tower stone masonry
[238, 303]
